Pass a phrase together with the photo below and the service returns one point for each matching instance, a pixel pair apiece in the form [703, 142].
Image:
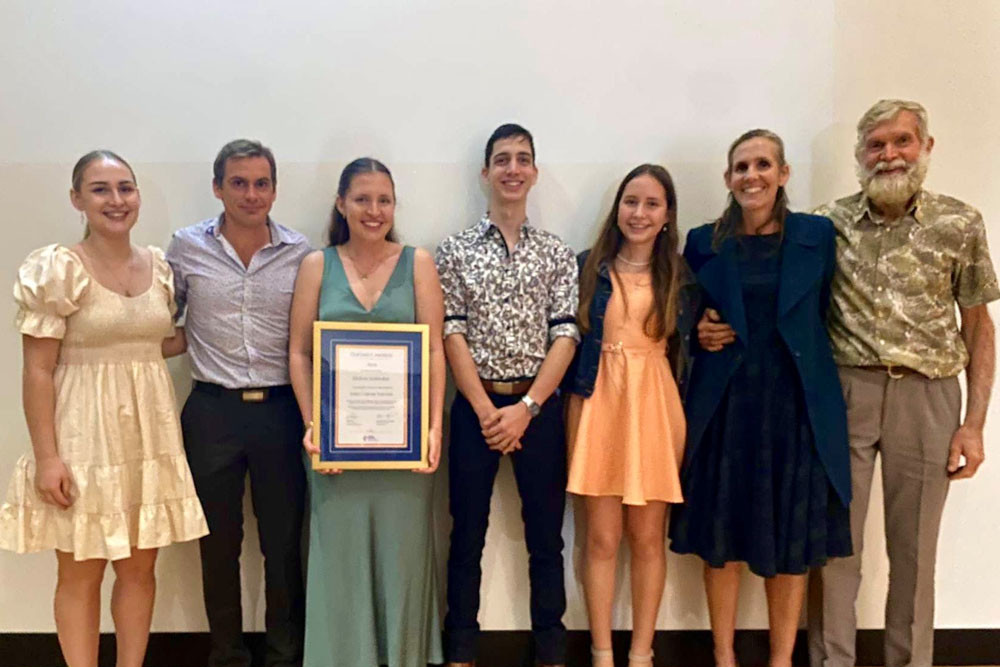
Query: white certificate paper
[371, 396]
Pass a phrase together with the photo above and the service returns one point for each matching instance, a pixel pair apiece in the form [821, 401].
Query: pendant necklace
[125, 289]
[365, 274]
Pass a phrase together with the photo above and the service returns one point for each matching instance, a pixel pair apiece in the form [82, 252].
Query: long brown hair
[730, 223]
[664, 265]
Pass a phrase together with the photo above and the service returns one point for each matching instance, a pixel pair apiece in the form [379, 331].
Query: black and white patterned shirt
[509, 306]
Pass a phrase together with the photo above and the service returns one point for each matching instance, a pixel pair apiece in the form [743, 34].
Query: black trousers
[540, 471]
[225, 438]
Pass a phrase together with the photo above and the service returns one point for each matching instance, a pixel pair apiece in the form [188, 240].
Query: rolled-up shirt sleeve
[174, 258]
[564, 296]
[456, 312]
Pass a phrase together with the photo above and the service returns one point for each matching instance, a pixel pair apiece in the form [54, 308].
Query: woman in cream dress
[108, 480]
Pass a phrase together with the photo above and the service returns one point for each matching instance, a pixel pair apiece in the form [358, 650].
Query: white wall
[420, 84]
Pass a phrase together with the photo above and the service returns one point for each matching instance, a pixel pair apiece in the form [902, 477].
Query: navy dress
[757, 491]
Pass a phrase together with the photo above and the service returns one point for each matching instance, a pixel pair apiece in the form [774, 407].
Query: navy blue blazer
[807, 264]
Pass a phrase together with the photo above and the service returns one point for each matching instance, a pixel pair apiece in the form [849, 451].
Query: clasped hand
[504, 427]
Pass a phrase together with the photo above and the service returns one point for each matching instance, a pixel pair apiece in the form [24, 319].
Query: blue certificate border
[329, 340]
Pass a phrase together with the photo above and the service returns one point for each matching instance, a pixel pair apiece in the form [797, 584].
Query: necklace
[630, 262]
[365, 274]
[122, 285]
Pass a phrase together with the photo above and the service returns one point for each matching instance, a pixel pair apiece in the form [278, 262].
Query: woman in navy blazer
[766, 476]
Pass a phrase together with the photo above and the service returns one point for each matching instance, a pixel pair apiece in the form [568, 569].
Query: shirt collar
[865, 211]
[279, 236]
[485, 226]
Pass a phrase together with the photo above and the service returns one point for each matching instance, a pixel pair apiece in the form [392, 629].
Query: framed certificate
[370, 394]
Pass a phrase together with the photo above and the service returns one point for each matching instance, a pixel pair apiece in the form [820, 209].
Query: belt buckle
[503, 388]
[895, 375]
[254, 395]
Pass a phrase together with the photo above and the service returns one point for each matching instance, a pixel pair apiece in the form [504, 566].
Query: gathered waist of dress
[112, 353]
[620, 347]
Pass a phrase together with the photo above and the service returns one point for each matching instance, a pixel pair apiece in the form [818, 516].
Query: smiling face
[247, 191]
[755, 173]
[511, 170]
[893, 161]
[108, 197]
[642, 211]
[369, 206]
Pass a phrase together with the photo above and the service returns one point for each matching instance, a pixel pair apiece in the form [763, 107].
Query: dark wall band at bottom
[690, 648]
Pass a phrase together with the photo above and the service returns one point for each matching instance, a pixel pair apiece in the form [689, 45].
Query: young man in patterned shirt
[510, 292]
[905, 258]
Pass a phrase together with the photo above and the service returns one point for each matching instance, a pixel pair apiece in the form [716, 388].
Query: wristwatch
[533, 408]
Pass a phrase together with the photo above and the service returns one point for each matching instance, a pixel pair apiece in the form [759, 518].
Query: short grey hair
[884, 110]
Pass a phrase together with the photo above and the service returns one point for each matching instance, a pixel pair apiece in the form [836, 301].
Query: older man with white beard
[905, 257]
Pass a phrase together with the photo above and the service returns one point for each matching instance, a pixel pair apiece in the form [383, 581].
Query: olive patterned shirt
[509, 306]
[897, 282]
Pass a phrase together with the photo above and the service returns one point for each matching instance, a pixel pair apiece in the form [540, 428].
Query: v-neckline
[350, 288]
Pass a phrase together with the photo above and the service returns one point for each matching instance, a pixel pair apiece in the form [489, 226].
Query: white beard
[894, 190]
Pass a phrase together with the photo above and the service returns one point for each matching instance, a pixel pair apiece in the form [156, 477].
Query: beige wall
[420, 83]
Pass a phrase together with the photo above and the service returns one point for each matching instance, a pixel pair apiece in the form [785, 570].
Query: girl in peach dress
[108, 479]
[626, 425]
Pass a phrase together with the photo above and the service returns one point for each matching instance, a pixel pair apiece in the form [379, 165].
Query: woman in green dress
[371, 596]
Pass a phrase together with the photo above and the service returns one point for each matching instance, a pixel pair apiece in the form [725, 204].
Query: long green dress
[371, 596]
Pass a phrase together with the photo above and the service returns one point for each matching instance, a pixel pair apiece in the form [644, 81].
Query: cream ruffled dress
[115, 417]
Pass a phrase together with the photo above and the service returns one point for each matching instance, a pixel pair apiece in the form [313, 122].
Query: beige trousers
[910, 422]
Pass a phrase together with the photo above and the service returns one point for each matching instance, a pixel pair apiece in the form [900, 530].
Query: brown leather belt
[506, 388]
[892, 370]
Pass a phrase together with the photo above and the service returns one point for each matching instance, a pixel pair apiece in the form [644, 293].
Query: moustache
[898, 163]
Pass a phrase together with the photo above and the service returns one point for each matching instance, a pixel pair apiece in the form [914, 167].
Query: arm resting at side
[52, 477]
[978, 334]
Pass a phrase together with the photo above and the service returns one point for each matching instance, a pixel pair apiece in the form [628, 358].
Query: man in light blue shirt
[233, 276]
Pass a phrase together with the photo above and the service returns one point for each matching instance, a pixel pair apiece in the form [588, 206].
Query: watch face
[533, 408]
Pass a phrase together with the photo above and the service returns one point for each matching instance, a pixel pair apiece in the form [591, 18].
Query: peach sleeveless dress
[627, 438]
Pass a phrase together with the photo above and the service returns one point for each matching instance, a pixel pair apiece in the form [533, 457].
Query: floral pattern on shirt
[897, 282]
[509, 306]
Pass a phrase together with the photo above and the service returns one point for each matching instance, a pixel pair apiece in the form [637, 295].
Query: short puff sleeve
[48, 289]
[163, 278]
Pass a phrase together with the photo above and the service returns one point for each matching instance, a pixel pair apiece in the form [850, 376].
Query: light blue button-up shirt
[235, 316]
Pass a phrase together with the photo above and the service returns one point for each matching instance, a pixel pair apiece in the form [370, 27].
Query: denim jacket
[582, 372]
